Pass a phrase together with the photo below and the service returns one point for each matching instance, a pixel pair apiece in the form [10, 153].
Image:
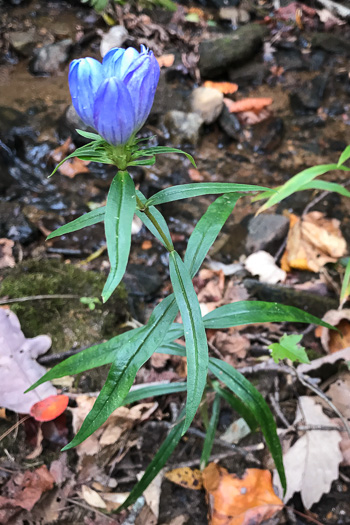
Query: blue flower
[115, 97]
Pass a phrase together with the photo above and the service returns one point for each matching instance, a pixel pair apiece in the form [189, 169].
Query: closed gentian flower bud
[115, 97]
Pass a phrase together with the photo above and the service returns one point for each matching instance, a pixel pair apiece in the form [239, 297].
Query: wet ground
[304, 67]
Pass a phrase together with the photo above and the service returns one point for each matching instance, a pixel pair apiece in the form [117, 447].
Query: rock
[207, 103]
[331, 43]
[69, 123]
[168, 97]
[115, 37]
[69, 322]
[48, 59]
[14, 225]
[291, 60]
[230, 124]
[183, 127]
[309, 97]
[267, 135]
[251, 74]
[265, 232]
[218, 54]
[23, 42]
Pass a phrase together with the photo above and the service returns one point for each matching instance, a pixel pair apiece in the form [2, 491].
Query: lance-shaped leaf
[120, 208]
[345, 288]
[207, 229]
[94, 151]
[324, 185]
[344, 156]
[157, 463]
[237, 405]
[251, 397]
[88, 219]
[185, 191]
[157, 389]
[89, 135]
[128, 360]
[162, 149]
[92, 357]
[195, 336]
[158, 217]
[210, 433]
[249, 312]
[298, 181]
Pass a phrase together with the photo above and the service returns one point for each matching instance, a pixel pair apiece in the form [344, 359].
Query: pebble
[48, 59]
[266, 231]
[183, 127]
[207, 103]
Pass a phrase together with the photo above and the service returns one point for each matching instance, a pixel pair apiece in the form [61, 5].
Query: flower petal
[85, 77]
[114, 112]
[110, 61]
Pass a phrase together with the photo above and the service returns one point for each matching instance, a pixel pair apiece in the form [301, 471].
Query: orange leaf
[186, 477]
[247, 104]
[166, 60]
[227, 88]
[235, 501]
[73, 166]
[49, 408]
[146, 245]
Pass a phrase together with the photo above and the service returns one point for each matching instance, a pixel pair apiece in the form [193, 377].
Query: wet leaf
[186, 477]
[227, 88]
[73, 167]
[247, 104]
[249, 500]
[49, 408]
[333, 341]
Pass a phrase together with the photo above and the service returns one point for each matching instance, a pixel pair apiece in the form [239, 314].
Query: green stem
[169, 246]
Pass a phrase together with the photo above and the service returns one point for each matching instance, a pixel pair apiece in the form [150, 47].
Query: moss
[67, 321]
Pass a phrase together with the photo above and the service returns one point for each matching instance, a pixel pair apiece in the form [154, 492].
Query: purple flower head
[115, 97]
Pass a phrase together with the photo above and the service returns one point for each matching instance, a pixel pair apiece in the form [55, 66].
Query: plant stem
[169, 246]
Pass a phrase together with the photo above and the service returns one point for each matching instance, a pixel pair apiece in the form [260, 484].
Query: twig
[16, 425]
[39, 298]
[318, 427]
[314, 201]
[91, 509]
[310, 518]
[277, 409]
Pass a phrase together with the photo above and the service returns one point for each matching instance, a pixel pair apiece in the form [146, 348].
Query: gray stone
[207, 103]
[218, 54]
[230, 124]
[115, 37]
[183, 127]
[331, 43]
[48, 59]
[14, 225]
[23, 42]
[237, 15]
[265, 231]
[168, 97]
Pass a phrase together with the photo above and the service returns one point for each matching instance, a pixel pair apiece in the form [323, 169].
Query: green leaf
[251, 397]
[172, 349]
[248, 312]
[143, 162]
[195, 336]
[156, 150]
[157, 463]
[92, 357]
[345, 288]
[185, 191]
[88, 219]
[295, 183]
[88, 135]
[127, 361]
[326, 186]
[148, 223]
[210, 434]
[288, 348]
[344, 156]
[93, 151]
[158, 389]
[207, 229]
[120, 208]
[237, 405]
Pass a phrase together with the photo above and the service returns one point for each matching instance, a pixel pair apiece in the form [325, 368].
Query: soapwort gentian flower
[115, 97]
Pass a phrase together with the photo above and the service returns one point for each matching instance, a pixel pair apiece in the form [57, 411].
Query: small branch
[39, 298]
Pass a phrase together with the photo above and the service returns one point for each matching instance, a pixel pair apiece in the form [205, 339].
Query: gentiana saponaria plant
[115, 98]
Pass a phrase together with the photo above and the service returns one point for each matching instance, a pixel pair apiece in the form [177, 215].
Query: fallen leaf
[339, 394]
[250, 118]
[341, 355]
[312, 242]
[227, 88]
[92, 497]
[152, 495]
[49, 408]
[7, 259]
[166, 60]
[24, 490]
[329, 20]
[73, 166]
[312, 463]
[233, 346]
[263, 264]
[344, 444]
[239, 501]
[238, 430]
[247, 104]
[195, 175]
[59, 153]
[186, 477]
[18, 368]
[331, 340]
